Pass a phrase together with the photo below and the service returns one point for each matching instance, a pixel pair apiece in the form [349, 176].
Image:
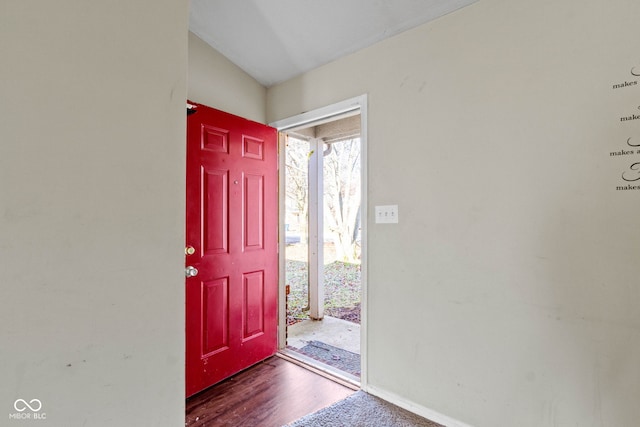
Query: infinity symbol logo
[21, 405]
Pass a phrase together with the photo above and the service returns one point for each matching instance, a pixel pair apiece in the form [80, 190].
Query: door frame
[317, 115]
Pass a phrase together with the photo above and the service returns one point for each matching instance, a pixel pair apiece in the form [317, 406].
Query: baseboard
[415, 408]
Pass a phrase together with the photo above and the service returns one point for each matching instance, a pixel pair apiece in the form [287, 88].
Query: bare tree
[297, 188]
[342, 196]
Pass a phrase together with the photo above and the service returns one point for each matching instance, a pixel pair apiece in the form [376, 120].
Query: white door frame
[310, 117]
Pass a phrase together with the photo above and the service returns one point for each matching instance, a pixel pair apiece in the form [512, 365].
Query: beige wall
[92, 119]
[217, 82]
[507, 295]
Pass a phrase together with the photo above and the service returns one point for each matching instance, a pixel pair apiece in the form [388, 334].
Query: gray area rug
[362, 410]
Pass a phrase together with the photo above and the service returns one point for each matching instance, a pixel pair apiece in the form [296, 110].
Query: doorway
[323, 239]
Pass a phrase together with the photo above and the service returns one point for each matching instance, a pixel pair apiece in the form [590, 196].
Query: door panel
[253, 297]
[253, 212]
[215, 316]
[215, 222]
[232, 202]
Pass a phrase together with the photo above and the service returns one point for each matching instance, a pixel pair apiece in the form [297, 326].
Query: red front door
[231, 240]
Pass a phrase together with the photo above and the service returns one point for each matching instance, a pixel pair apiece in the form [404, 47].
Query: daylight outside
[342, 253]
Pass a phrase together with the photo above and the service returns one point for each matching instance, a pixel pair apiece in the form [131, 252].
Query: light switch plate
[386, 214]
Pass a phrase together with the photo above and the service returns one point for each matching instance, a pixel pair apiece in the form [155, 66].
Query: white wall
[217, 82]
[92, 125]
[507, 295]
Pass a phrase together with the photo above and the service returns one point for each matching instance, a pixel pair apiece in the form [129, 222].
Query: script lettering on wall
[628, 154]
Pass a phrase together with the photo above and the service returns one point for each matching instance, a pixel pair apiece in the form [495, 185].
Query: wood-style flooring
[270, 394]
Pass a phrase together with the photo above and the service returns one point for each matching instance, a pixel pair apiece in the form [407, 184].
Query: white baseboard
[415, 408]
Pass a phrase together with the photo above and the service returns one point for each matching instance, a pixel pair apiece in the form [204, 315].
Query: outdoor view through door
[323, 244]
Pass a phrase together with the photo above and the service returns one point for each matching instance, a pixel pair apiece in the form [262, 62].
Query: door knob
[190, 271]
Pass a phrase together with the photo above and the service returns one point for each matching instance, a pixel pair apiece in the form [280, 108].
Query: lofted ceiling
[275, 40]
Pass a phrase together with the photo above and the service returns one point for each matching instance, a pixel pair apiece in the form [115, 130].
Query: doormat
[341, 359]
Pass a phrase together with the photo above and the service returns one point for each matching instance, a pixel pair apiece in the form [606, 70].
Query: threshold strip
[312, 365]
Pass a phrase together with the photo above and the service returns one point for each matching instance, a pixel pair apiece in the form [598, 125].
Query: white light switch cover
[386, 214]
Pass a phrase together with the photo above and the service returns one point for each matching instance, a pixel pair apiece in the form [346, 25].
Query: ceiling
[275, 40]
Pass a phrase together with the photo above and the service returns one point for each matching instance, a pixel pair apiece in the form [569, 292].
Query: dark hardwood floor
[270, 394]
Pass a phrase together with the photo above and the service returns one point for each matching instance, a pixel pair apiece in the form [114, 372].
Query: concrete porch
[330, 330]
[335, 332]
